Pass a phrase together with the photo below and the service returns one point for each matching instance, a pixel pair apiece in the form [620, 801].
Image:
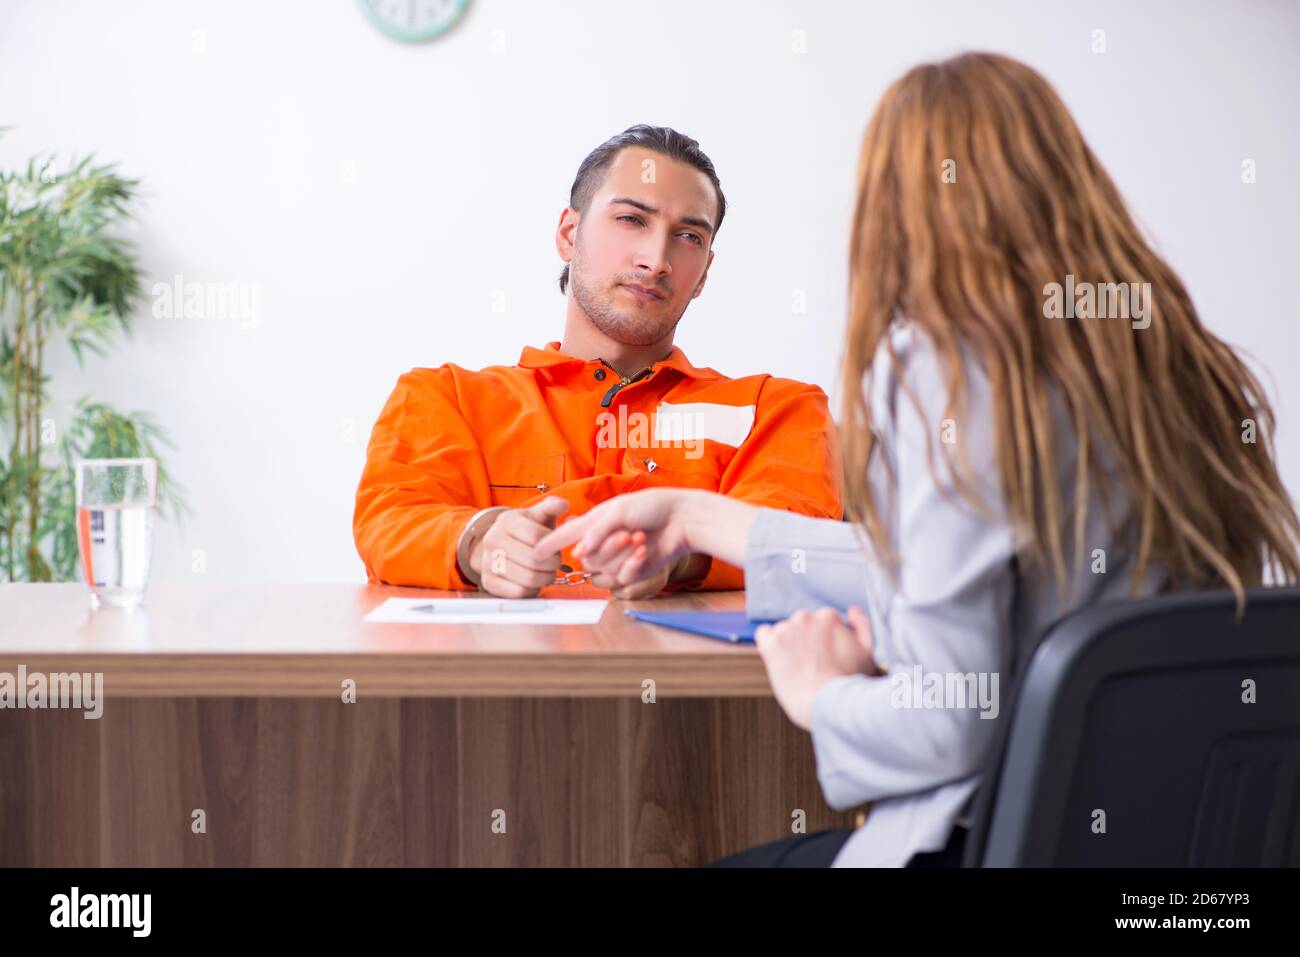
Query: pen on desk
[483, 608]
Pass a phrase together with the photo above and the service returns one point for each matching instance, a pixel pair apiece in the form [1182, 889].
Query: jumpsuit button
[600, 375]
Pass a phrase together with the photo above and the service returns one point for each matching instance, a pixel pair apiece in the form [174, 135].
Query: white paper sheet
[488, 611]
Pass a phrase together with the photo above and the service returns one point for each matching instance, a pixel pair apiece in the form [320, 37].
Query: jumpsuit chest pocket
[701, 467]
[516, 481]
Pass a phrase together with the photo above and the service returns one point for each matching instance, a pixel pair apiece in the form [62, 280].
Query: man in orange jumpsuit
[465, 471]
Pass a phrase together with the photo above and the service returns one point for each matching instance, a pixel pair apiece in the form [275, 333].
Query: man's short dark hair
[659, 139]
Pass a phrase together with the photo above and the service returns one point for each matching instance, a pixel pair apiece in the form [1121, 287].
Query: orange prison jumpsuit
[450, 442]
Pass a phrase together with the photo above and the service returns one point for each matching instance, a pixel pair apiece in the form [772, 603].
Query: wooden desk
[228, 699]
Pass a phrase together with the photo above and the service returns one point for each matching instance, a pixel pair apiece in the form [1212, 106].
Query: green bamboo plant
[64, 275]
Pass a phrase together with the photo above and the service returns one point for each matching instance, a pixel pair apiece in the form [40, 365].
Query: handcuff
[565, 575]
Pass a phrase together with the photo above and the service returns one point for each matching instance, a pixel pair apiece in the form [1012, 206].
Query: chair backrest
[1158, 732]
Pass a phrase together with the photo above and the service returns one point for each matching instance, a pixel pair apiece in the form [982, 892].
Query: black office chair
[1132, 715]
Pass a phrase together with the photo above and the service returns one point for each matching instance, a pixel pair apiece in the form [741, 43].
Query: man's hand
[503, 559]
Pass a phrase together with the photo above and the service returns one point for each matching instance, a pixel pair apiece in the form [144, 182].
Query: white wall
[377, 195]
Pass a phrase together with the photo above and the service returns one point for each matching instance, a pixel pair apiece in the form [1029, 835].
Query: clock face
[413, 21]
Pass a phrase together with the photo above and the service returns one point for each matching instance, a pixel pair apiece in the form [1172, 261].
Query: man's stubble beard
[621, 325]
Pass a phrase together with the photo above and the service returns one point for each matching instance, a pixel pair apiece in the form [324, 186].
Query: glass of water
[116, 501]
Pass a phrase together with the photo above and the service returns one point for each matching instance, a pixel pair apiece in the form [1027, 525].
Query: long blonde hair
[976, 191]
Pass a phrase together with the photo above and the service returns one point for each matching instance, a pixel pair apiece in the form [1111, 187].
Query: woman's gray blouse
[948, 628]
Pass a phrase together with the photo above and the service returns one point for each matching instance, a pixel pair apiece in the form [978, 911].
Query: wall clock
[413, 21]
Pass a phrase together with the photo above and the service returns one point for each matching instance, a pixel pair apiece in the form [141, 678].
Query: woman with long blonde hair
[1043, 424]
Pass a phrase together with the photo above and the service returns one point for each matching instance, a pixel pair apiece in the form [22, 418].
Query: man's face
[640, 252]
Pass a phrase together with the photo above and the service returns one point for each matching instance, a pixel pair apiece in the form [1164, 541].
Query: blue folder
[733, 626]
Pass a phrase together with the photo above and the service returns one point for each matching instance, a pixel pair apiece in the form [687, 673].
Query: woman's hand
[630, 538]
[808, 649]
[675, 525]
[618, 568]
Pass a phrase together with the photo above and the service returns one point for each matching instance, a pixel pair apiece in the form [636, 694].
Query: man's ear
[566, 233]
[699, 286]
